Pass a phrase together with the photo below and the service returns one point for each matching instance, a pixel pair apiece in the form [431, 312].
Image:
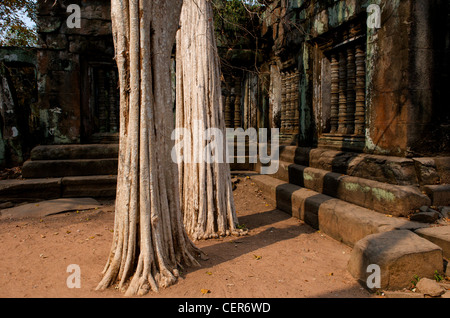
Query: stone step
[64, 168]
[343, 221]
[104, 138]
[70, 152]
[16, 190]
[388, 169]
[382, 197]
[398, 255]
[439, 235]
[99, 186]
[89, 186]
[439, 194]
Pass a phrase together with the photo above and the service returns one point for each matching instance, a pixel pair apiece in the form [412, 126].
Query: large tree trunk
[205, 188]
[149, 243]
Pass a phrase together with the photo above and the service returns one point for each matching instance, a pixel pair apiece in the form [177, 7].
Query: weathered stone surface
[343, 221]
[16, 189]
[56, 41]
[63, 168]
[89, 186]
[299, 202]
[443, 168]
[45, 208]
[439, 194]
[426, 171]
[439, 235]
[87, 151]
[382, 197]
[445, 211]
[90, 27]
[400, 254]
[293, 154]
[425, 217]
[430, 287]
[389, 169]
[349, 223]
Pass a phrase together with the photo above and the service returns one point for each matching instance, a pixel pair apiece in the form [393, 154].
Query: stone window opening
[341, 76]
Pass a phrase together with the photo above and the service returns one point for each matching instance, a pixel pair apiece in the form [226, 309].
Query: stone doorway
[100, 103]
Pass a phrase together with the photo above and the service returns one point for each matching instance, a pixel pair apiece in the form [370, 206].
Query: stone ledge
[343, 221]
[400, 255]
[87, 151]
[433, 170]
[62, 168]
[388, 169]
[85, 186]
[379, 196]
[53, 188]
[439, 235]
[19, 190]
[439, 194]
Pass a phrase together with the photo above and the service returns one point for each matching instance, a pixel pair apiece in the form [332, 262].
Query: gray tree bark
[205, 188]
[150, 243]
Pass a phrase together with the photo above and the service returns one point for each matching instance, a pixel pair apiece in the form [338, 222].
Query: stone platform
[366, 201]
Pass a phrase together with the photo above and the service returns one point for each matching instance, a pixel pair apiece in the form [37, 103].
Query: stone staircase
[78, 170]
[54, 171]
[310, 177]
[351, 197]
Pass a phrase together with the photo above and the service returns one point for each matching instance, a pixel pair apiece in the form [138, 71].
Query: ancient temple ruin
[336, 87]
[361, 109]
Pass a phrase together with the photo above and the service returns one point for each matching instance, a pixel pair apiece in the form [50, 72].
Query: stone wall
[406, 70]
[65, 60]
[19, 129]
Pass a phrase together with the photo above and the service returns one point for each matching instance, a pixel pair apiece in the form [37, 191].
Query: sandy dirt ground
[281, 257]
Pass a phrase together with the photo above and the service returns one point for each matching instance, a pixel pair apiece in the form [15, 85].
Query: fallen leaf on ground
[205, 291]
[257, 257]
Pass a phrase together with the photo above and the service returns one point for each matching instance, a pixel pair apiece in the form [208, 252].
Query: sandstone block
[439, 194]
[400, 255]
[438, 235]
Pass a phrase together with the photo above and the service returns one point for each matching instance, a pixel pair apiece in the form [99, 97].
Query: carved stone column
[351, 84]
[342, 93]
[360, 90]
[296, 102]
[237, 112]
[228, 114]
[283, 103]
[288, 103]
[113, 123]
[334, 93]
